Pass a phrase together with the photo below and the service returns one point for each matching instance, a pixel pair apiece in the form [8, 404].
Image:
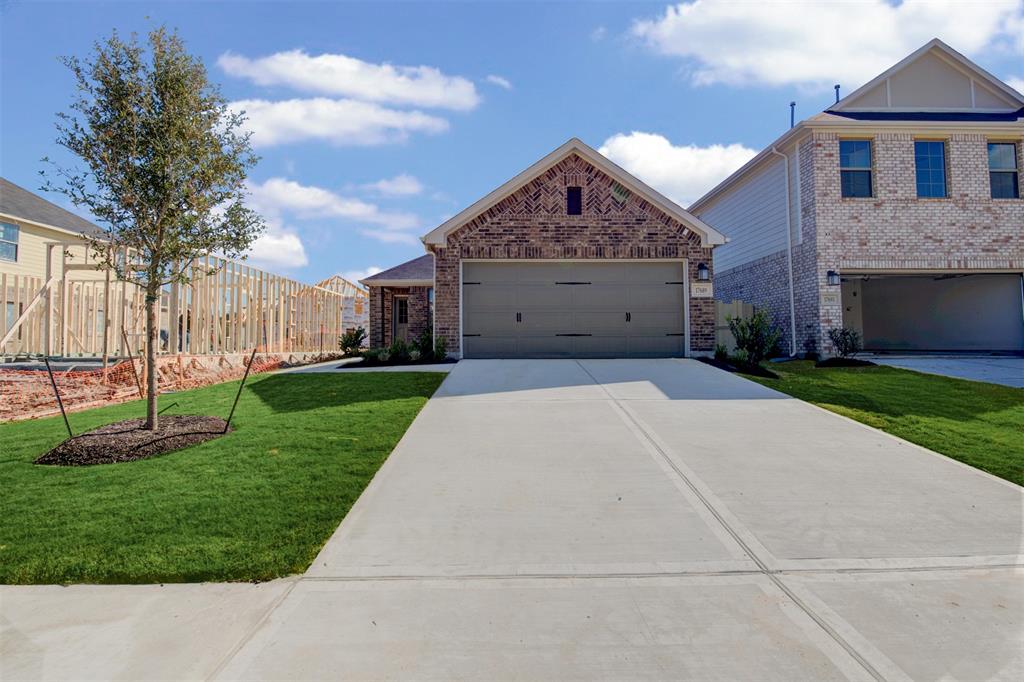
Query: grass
[976, 423]
[253, 505]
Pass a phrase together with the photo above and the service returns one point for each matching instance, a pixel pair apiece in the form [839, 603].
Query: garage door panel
[550, 297]
[573, 309]
[490, 347]
[542, 322]
[545, 347]
[599, 323]
[482, 296]
[655, 346]
[601, 297]
[491, 323]
[600, 347]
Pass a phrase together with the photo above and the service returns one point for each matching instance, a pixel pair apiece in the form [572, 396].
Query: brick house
[573, 257]
[897, 212]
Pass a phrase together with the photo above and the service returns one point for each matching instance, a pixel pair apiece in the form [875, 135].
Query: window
[930, 165]
[855, 167]
[8, 242]
[402, 310]
[1002, 170]
[574, 200]
[430, 305]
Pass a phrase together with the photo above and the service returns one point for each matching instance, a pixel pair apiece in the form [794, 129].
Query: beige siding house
[897, 212]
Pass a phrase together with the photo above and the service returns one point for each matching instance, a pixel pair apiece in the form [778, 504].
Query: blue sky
[377, 121]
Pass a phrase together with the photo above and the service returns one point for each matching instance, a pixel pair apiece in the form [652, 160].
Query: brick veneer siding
[892, 231]
[895, 230]
[382, 305]
[532, 224]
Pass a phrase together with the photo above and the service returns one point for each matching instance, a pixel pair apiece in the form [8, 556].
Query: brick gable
[532, 223]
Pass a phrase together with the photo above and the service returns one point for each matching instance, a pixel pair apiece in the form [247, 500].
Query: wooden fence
[723, 311]
[227, 308]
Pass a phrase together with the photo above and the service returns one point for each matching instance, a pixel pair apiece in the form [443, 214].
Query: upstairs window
[930, 166]
[855, 168]
[1002, 170]
[8, 242]
[574, 200]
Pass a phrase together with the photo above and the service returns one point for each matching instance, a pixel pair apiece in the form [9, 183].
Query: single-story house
[573, 257]
[897, 213]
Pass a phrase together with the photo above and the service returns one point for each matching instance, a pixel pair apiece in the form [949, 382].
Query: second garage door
[573, 309]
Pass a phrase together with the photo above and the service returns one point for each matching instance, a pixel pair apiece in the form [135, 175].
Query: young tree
[164, 168]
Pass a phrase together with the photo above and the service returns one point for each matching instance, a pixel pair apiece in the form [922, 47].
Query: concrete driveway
[994, 369]
[652, 520]
[613, 520]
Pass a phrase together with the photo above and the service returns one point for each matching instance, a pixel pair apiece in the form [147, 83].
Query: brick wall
[381, 307]
[532, 224]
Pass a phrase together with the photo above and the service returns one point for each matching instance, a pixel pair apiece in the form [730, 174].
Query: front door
[400, 319]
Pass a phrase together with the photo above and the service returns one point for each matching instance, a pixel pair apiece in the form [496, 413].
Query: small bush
[756, 336]
[372, 354]
[721, 352]
[440, 348]
[845, 341]
[740, 358]
[399, 351]
[415, 355]
[424, 344]
[383, 355]
[352, 341]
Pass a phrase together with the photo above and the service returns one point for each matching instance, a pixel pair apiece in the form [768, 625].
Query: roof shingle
[417, 269]
[19, 202]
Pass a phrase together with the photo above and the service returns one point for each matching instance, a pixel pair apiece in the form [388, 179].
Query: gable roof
[709, 235]
[18, 202]
[342, 286]
[415, 272]
[981, 91]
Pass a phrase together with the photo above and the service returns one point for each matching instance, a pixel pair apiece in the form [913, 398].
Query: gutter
[789, 255]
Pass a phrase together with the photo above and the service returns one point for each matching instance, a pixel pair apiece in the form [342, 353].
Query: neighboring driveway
[994, 369]
[653, 520]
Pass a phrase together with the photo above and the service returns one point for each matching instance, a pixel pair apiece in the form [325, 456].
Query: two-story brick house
[897, 212]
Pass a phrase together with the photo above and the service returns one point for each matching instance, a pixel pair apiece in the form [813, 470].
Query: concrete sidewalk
[599, 520]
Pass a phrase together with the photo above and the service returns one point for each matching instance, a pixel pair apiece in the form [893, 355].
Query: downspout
[789, 256]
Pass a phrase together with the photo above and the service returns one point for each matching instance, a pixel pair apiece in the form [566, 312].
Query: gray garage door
[572, 310]
[975, 312]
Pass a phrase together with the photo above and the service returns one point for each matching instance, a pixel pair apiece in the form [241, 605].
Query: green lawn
[253, 505]
[975, 423]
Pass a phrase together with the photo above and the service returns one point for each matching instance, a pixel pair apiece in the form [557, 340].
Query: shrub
[740, 358]
[352, 340]
[440, 348]
[721, 352]
[845, 341]
[415, 355]
[757, 337]
[372, 354]
[383, 355]
[399, 351]
[424, 344]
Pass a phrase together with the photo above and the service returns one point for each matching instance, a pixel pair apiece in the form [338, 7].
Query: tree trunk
[152, 338]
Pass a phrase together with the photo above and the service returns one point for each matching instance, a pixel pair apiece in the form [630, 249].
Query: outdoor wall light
[833, 278]
[702, 272]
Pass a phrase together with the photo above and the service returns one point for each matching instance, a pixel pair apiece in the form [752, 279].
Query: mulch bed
[389, 363]
[126, 441]
[844, 362]
[754, 370]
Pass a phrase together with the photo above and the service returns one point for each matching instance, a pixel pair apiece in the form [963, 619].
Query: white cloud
[356, 275]
[682, 173]
[278, 247]
[816, 44]
[499, 81]
[402, 185]
[279, 195]
[1015, 82]
[391, 237]
[338, 121]
[338, 74]
[598, 34]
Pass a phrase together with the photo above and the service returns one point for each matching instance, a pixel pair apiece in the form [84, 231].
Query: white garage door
[593, 309]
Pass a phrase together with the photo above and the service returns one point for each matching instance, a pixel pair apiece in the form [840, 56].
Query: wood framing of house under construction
[81, 309]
